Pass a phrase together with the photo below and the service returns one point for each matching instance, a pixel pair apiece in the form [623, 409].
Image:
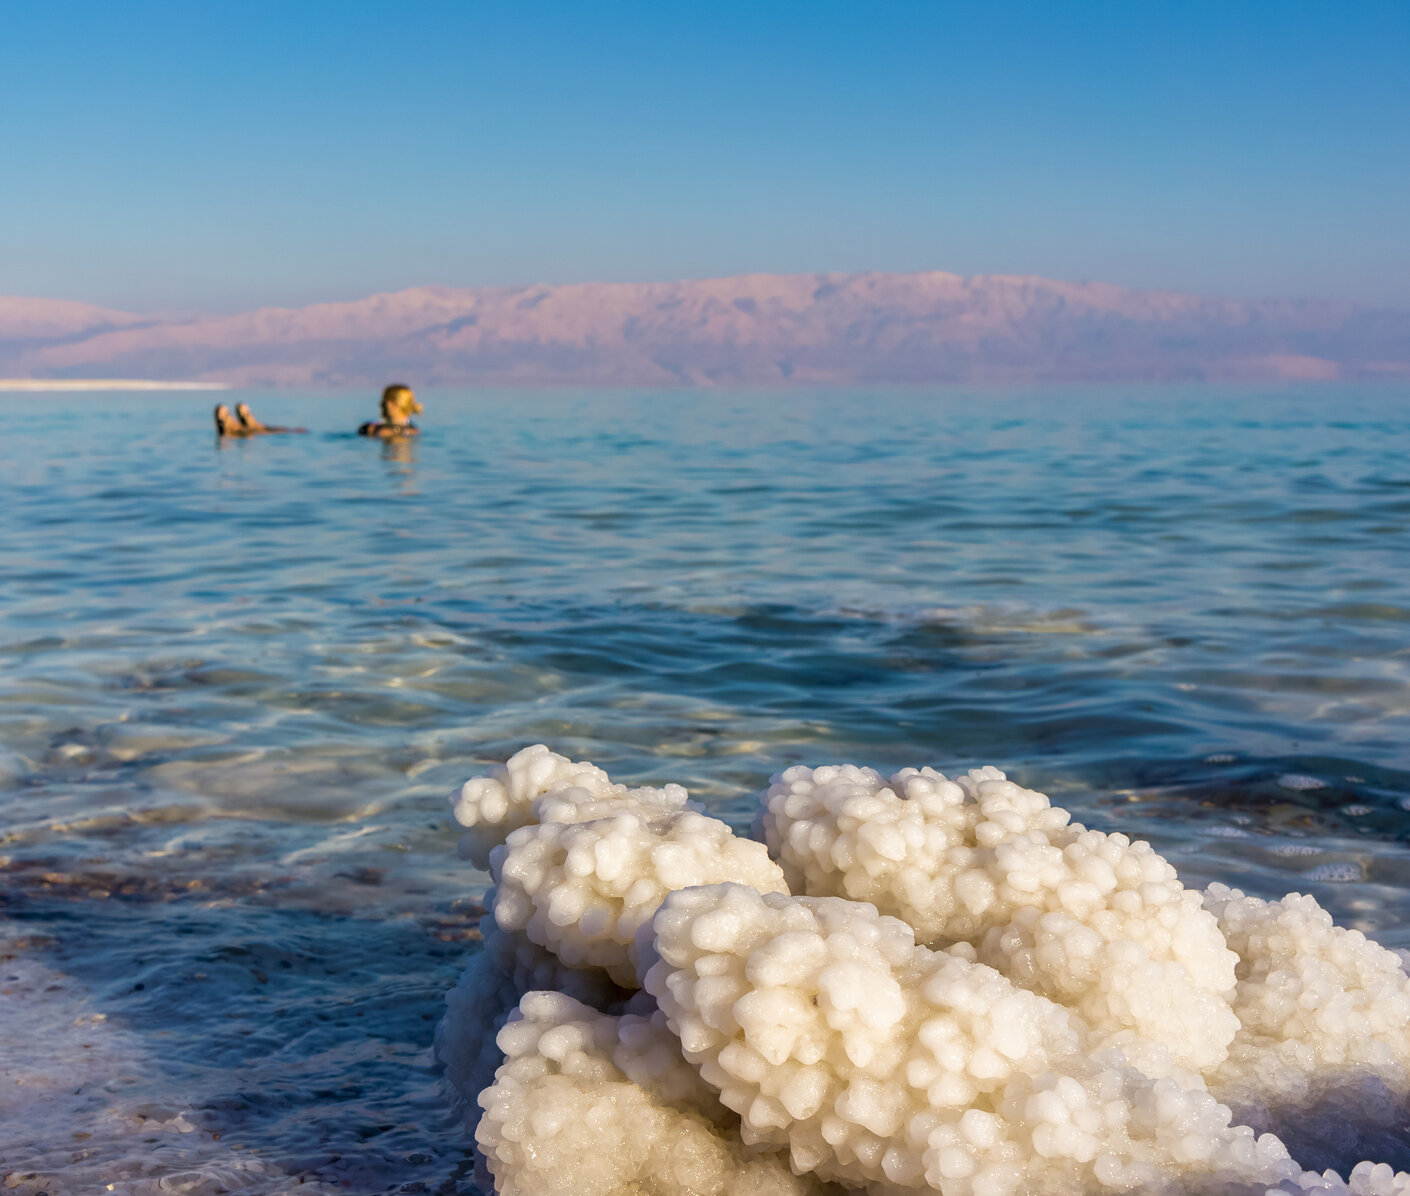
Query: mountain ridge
[752, 329]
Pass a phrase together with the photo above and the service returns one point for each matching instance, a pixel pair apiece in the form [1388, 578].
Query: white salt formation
[591, 1105]
[583, 889]
[1324, 1013]
[492, 806]
[1093, 921]
[579, 865]
[1315, 997]
[1070, 1021]
[591, 861]
[882, 1063]
[507, 967]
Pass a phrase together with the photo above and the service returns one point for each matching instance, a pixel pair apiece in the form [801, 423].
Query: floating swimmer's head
[399, 404]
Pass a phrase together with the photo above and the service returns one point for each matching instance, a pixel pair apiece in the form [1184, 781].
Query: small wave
[1301, 782]
[1343, 872]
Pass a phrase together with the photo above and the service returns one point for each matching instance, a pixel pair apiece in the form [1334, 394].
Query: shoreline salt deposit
[926, 984]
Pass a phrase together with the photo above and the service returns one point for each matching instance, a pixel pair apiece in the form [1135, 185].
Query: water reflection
[400, 450]
[399, 454]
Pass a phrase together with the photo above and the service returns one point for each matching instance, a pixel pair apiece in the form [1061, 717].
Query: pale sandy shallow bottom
[239, 682]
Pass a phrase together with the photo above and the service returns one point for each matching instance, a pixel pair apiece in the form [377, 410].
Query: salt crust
[591, 1105]
[879, 1062]
[883, 1064]
[591, 861]
[487, 992]
[492, 806]
[1094, 921]
[1324, 1017]
[1314, 995]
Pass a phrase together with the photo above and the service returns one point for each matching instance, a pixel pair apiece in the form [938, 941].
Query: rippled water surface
[237, 682]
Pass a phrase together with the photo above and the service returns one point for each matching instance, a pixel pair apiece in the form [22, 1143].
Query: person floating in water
[253, 427]
[227, 425]
[245, 425]
[398, 406]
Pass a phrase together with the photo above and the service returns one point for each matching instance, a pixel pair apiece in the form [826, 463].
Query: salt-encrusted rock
[591, 1105]
[878, 1062]
[529, 966]
[492, 806]
[882, 1064]
[1324, 1012]
[1094, 921]
[488, 990]
[1374, 1179]
[486, 993]
[582, 889]
[580, 863]
[1366, 1179]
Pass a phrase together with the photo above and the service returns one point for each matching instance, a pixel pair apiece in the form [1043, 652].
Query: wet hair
[393, 396]
[400, 397]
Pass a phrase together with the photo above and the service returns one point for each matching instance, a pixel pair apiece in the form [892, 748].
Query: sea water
[238, 679]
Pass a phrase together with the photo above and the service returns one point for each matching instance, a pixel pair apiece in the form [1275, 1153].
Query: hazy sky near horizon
[225, 155]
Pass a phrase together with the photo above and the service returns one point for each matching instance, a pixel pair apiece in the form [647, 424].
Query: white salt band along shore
[905, 985]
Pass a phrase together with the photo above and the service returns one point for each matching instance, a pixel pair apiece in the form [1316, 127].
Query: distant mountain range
[753, 329]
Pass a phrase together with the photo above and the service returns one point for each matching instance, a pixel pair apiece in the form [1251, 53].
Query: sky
[222, 156]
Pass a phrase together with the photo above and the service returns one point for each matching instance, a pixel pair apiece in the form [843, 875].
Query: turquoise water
[237, 681]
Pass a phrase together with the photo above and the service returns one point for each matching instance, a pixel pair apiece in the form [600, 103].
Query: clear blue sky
[222, 155]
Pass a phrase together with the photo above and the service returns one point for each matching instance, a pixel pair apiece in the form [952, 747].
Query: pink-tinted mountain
[753, 329]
